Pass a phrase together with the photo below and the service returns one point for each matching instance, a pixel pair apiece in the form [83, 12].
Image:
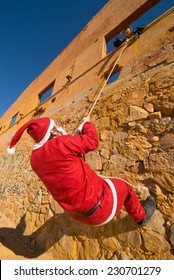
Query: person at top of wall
[128, 32]
[57, 160]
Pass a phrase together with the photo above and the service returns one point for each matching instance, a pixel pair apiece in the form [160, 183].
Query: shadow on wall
[32, 246]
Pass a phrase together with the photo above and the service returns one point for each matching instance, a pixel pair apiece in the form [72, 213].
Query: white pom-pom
[11, 151]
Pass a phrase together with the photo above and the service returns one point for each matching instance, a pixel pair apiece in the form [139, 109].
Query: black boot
[149, 207]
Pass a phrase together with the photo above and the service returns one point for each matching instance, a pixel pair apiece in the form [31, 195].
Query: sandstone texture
[135, 121]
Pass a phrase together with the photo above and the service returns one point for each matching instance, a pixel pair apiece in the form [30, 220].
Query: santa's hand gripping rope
[57, 161]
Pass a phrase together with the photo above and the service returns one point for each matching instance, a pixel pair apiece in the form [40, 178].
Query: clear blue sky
[34, 32]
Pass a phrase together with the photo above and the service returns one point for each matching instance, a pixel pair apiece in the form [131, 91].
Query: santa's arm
[86, 141]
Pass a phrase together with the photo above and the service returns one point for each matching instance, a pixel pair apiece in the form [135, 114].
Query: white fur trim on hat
[11, 151]
[46, 137]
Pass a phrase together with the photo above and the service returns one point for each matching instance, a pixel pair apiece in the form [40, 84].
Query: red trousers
[116, 194]
[127, 197]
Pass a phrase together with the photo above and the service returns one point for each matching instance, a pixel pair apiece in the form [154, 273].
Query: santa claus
[57, 160]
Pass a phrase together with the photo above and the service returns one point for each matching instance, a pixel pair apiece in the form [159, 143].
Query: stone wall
[134, 119]
[82, 55]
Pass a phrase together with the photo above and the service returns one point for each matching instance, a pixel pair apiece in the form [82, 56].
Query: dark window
[45, 95]
[146, 19]
[113, 77]
[14, 119]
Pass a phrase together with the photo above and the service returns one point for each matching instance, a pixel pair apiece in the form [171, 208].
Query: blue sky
[34, 32]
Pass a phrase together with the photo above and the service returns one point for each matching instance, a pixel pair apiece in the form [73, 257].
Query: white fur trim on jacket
[114, 207]
[80, 128]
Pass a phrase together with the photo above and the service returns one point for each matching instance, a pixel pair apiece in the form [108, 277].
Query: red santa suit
[71, 181]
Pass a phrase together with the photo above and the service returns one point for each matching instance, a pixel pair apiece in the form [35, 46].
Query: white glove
[61, 130]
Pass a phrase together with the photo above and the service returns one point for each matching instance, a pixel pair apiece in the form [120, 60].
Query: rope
[126, 43]
[100, 92]
[98, 96]
[104, 84]
[115, 177]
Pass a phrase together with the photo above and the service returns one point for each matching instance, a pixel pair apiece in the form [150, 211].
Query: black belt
[89, 212]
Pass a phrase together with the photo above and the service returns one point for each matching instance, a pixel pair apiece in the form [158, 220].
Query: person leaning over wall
[128, 33]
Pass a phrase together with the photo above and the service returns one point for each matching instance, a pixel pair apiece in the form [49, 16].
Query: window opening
[113, 77]
[14, 118]
[144, 20]
[45, 95]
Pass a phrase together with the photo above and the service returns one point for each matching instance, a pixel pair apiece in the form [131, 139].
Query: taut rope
[115, 63]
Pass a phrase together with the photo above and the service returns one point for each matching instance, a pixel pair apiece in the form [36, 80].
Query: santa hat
[38, 129]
